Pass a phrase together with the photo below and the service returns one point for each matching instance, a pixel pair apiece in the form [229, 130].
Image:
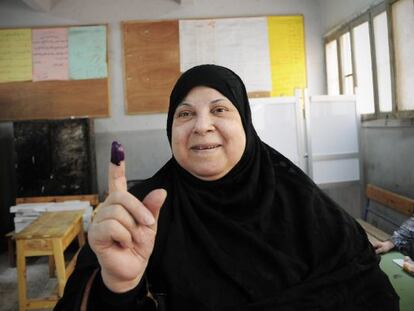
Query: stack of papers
[26, 213]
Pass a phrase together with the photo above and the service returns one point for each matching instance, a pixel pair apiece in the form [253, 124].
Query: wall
[144, 135]
[338, 12]
[388, 163]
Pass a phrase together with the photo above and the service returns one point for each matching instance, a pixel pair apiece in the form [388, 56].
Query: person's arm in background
[402, 239]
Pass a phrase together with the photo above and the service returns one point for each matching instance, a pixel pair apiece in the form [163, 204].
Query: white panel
[333, 132]
[403, 28]
[325, 172]
[363, 68]
[276, 124]
[382, 54]
[332, 71]
[334, 127]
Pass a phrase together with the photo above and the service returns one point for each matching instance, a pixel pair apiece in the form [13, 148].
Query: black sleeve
[100, 297]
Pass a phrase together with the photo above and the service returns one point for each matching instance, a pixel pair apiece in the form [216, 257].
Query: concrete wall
[144, 135]
[388, 163]
[338, 12]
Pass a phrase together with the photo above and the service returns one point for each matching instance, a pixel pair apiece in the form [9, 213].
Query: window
[346, 64]
[383, 62]
[332, 72]
[376, 58]
[363, 68]
[403, 26]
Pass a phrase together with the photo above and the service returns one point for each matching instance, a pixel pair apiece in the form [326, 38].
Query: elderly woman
[227, 224]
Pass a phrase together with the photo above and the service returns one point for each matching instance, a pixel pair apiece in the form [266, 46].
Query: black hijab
[263, 237]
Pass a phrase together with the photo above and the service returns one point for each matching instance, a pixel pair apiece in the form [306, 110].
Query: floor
[39, 283]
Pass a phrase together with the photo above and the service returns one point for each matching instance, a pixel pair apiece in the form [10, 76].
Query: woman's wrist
[119, 286]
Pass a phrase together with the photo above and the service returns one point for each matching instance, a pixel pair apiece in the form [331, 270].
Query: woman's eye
[183, 114]
[219, 110]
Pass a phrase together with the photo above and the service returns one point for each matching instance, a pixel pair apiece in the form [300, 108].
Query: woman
[241, 228]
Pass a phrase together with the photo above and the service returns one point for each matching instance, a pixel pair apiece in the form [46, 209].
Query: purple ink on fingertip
[117, 153]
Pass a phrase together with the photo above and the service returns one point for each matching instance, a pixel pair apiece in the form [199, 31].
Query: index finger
[135, 207]
[116, 170]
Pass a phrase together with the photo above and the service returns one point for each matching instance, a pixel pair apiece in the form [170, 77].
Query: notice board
[267, 52]
[54, 73]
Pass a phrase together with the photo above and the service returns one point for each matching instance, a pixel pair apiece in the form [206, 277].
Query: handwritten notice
[87, 52]
[240, 44]
[15, 55]
[287, 54]
[50, 54]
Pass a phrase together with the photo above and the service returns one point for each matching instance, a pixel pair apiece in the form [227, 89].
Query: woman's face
[207, 138]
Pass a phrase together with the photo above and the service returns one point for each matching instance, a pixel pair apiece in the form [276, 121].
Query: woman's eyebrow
[218, 100]
[183, 103]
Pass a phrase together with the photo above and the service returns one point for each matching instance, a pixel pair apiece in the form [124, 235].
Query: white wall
[140, 131]
[14, 13]
[337, 12]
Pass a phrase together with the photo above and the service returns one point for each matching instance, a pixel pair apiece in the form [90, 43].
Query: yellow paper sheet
[287, 54]
[15, 55]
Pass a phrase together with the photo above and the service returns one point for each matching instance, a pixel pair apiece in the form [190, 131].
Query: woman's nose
[203, 124]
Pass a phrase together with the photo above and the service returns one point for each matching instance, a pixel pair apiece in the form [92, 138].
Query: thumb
[154, 200]
[116, 170]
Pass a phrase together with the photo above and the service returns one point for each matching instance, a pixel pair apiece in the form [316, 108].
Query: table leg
[51, 266]
[21, 274]
[60, 264]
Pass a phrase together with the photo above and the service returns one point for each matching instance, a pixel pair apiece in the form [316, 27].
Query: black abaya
[263, 237]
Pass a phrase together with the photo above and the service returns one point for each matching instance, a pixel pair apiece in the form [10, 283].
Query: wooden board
[373, 232]
[395, 201]
[92, 198]
[154, 55]
[152, 64]
[53, 99]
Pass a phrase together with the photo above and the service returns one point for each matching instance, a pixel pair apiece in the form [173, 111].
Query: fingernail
[117, 153]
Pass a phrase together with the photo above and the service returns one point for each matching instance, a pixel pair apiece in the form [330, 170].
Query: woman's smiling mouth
[203, 147]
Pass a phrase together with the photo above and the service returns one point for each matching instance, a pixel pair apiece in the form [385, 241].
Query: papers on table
[26, 213]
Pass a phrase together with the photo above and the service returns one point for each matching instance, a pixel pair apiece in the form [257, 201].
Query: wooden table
[403, 282]
[49, 235]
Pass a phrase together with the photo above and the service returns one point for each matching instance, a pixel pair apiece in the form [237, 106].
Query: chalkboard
[54, 157]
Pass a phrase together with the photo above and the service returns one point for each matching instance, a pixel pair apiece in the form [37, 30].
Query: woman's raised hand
[123, 231]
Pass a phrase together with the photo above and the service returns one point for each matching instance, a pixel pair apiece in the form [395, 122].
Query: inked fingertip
[117, 153]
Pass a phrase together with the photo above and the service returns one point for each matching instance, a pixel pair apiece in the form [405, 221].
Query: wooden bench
[374, 234]
[10, 237]
[399, 203]
[49, 235]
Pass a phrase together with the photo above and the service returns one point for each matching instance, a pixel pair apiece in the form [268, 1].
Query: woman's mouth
[202, 147]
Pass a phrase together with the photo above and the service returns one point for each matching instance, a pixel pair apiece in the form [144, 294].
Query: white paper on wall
[240, 44]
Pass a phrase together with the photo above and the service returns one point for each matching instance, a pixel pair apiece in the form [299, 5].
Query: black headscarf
[263, 237]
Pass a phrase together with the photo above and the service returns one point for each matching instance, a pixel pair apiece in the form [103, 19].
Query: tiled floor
[39, 283]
